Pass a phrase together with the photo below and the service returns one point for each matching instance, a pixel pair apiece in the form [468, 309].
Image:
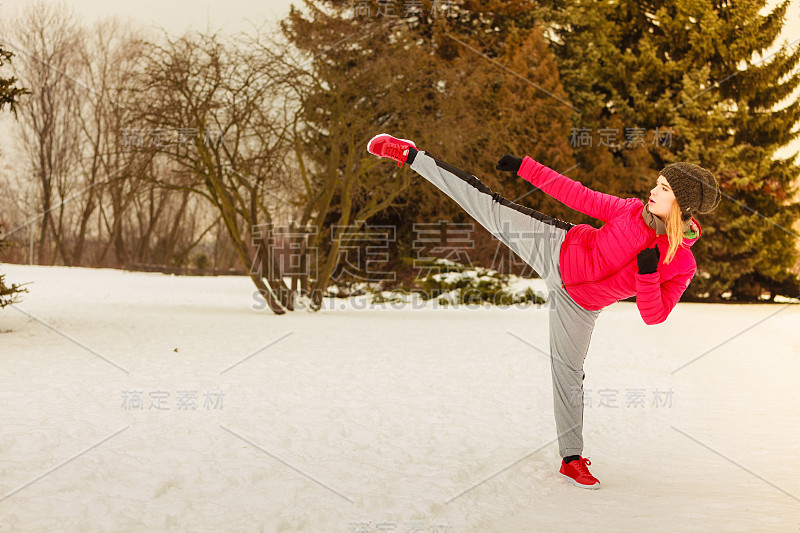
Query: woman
[585, 269]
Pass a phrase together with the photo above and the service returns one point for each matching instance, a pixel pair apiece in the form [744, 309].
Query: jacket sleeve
[656, 300]
[570, 192]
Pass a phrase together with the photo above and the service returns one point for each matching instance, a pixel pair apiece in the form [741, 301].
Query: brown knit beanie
[695, 188]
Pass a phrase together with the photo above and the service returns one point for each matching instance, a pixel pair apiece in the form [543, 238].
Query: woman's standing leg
[571, 329]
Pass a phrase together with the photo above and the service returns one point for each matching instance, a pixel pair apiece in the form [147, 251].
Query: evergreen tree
[677, 67]
[9, 95]
[9, 294]
[9, 92]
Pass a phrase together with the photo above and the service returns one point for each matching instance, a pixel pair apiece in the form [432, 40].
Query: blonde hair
[674, 226]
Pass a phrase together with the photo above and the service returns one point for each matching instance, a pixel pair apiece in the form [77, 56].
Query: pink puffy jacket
[598, 266]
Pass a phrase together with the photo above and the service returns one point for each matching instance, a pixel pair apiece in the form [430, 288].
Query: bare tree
[48, 39]
[222, 95]
[76, 130]
[105, 63]
[143, 223]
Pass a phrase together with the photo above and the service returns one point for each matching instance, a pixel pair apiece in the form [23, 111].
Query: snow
[381, 419]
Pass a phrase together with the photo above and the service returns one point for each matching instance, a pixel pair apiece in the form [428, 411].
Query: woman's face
[661, 198]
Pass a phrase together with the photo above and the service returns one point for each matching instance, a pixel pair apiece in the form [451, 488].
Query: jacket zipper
[563, 285]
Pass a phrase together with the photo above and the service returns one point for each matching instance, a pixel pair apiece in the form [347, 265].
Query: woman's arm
[656, 300]
[570, 192]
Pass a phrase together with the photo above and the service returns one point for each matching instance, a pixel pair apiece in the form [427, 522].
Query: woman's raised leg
[535, 237]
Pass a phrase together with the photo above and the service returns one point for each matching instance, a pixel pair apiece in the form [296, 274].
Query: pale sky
[232, 16]
[177, 15]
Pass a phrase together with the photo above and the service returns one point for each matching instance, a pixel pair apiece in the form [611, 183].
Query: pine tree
[9, 92]
[9, 294]
[677, 67]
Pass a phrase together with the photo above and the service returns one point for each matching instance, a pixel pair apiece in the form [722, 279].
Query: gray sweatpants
[536, 238]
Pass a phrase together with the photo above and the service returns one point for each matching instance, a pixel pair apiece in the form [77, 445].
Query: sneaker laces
[395, 151]
[581, 465]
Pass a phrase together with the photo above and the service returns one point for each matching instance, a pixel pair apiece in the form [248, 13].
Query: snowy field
[145, 402]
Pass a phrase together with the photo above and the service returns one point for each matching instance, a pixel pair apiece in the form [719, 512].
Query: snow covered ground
[145, 402]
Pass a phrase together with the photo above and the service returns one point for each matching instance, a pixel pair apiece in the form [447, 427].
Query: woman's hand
[509, 163]
[648, 260]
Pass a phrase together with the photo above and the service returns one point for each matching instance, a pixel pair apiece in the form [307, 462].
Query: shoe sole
[591, 487]
[378, 135]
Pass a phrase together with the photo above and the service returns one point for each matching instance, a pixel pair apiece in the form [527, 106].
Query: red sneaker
[384, 145]
[577, 473]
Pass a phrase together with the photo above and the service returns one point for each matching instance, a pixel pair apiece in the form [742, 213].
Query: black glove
[648, 260]
[509, 163]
